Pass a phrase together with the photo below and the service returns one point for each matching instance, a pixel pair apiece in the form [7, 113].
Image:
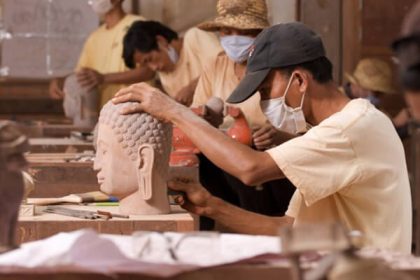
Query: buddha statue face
[132, 160]
[13, 145]
[80, 104]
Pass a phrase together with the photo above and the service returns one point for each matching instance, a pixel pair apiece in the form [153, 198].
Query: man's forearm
[250, 166]
[140, 74]
[241, 221]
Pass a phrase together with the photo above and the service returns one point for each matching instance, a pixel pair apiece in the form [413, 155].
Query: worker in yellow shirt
[100, 63]
[178, 61]
[238, 23]
[349, 167]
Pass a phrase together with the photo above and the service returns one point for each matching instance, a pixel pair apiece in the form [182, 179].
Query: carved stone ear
[145, 163]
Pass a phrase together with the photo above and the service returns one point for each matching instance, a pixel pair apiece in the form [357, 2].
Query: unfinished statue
[13, 145]
[132, 160]
[80, 104]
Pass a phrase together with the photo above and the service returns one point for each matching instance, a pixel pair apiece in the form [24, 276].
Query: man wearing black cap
[348, 167]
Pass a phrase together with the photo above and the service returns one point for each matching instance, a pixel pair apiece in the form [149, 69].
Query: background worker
[372, 79]
[238, 23]
[349, 167]
[179, 62]
[407, 49]
[100, 63]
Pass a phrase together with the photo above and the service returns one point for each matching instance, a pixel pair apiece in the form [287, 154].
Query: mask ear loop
[288, 86]
[287, 89]
[301, 102]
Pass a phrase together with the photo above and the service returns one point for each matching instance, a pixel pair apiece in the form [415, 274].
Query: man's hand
[197, 199]
[89, 78]
[214, 118]
[148, 99]
[402, 118]
[56, 88]
[266, 136]
[185, 96]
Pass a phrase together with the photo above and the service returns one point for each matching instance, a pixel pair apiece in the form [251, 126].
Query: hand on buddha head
[89, 78]
[148, 99]
[196, 199]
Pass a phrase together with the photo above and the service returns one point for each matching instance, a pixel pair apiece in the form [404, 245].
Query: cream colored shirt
[219, 80]
[351, 168]
[103, 52]
[198, 49]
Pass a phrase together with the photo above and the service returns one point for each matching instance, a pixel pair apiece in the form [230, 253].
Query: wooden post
[415, 187]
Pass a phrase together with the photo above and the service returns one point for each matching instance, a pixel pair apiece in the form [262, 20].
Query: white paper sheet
[147, 253]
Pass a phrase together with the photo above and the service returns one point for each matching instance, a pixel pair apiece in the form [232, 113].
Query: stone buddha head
[13, 145]
[80, 104]
[132, 160]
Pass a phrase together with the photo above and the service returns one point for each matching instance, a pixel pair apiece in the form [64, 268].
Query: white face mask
[101, 7]
[173, 55]
[237, 47]
[283, 117]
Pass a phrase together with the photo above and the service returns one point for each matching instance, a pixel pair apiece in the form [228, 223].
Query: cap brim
[248, 86]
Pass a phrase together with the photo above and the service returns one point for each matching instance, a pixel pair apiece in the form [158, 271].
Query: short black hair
[320, 68]
[141, 36]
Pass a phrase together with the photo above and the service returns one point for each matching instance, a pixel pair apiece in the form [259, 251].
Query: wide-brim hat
[270, 52]
[238, 14]
[372, 74]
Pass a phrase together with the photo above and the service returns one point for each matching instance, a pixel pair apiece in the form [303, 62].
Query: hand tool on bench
[83, 214]
[95, 196]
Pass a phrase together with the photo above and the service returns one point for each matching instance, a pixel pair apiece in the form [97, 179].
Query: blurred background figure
[407, 49]
[178, 61]
[372, 79]
[100, 63]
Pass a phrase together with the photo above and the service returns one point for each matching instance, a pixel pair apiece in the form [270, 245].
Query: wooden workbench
[45, 224]
[229, 272]
[57, 175]
[59, 145]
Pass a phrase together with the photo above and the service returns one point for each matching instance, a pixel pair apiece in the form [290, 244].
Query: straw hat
[238, 14]
[372, 74]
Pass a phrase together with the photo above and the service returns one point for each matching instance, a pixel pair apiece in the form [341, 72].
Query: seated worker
[348, 168]
[178, 61]
[238, 23]
[407, 49]
[100, 62]
[372, 79]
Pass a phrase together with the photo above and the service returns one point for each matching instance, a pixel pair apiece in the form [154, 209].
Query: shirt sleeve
[294, 205]
[319, 163]
[205, 45]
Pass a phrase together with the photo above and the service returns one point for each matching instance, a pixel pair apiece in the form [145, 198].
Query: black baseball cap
[281, 45]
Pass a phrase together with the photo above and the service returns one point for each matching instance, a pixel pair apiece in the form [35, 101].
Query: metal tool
[82, 214]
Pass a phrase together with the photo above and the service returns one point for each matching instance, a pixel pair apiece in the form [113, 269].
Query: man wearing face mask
[238, 23]
[100, 63]
[348, 168]
[372, 79]
[178, 61]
